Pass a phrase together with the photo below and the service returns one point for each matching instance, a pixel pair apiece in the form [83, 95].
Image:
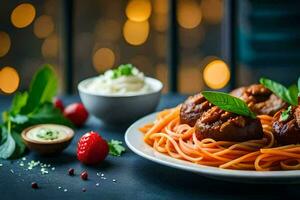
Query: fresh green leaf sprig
[289, 95]
[30, 108]
[123, 70]
[286, 114]
[115, 148]
[229, 103]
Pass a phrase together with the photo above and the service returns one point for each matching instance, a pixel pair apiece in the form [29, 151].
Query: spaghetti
[166, 135]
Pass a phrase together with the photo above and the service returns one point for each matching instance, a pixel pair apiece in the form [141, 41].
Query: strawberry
[92, 148]
[58, 104]
[76, 113]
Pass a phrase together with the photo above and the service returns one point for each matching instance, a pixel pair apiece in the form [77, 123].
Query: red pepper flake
[34, 185]
[84, 175]
[71, 172]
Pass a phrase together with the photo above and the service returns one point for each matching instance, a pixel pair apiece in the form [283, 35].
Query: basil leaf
[299, 86]
[293, 94]
[19, 119]
[115, 148]
[8, 146]
[18, 102]
[280, 90]
[285, 114]
[20, 146]
[47, 113]
[42, 89]
[228, 103]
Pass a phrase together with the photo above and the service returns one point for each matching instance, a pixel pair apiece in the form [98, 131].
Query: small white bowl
[120, 109]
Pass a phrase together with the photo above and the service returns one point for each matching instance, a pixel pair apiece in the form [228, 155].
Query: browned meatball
[192, 109]
[287, 131]
[260, 99]
[225, 126]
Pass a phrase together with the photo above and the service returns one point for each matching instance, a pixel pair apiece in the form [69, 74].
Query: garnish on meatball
[286, 126]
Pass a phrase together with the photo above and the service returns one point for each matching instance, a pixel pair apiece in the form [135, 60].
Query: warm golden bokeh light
[43, 26]
[9, 80]
[103, 59]
[4, 43]
[136, 33]
[23, 15]
[212, 11]
[189, 14]
[138, 10]
[216, 74]
[50, 46]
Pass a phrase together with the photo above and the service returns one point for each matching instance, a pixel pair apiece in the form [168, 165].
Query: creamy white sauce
[33, 134]
[123, 85]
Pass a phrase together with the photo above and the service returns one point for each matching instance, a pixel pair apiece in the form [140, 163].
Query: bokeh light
[136, 33]
[23, 15]
[43, 26]
[9, 80]
[212, 11]
[138, 10]
[189, 14]
[216, 74]
[50, 46]
[4, 43]
[103, 59]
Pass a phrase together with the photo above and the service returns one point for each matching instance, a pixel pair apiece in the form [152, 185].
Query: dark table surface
[135, 177]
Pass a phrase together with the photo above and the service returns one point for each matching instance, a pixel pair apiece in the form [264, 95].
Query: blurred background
[221, 44]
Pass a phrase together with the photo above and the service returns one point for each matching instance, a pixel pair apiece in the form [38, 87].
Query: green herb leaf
[8, 146]
[19, 119]
[47, 113]
[285, 114]
[123, 70]
[42, 89]
[228, 103]
[19, 101]
[20, 146]
[293, 93]
[299, 86]
[115, 148]
[280, 90]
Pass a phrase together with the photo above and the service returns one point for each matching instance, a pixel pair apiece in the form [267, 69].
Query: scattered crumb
[65, 190]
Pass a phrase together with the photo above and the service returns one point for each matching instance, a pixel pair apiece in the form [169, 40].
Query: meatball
[225, 126]
[192, 109]
[287, 131]
[260, 99]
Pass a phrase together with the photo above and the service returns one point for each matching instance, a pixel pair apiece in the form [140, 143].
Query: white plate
[134, 140]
